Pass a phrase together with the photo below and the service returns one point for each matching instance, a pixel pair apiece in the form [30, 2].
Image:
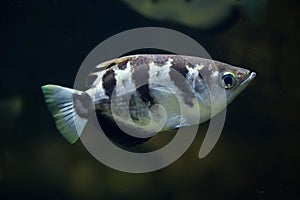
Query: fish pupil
[228, 81]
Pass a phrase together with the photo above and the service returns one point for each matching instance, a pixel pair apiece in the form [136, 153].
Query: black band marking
[140, 77]
[180, 82]
[160, 60]
[109, 82]
[122, 65]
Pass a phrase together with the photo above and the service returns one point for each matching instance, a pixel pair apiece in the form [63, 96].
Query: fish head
[234, 80]
[219, 83]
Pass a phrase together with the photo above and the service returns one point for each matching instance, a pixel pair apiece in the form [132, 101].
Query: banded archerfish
[146, 94]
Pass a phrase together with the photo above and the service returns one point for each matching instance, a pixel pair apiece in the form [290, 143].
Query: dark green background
[257, 156]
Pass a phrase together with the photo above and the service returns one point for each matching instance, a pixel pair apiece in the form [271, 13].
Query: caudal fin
[60, 103]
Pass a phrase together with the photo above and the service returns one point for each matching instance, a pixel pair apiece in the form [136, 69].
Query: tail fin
[60, 104]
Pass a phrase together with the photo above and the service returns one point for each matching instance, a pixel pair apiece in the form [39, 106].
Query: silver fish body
[141, 95]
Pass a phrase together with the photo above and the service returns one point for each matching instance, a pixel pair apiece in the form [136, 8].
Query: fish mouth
[249, 77]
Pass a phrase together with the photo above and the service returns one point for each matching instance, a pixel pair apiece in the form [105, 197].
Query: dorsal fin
[95, 76]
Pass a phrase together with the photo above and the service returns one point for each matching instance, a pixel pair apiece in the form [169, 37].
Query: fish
[137, 96]
[200, 14]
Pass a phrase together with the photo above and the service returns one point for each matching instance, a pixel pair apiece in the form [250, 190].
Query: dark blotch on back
[122, 65]
[160, 60]
[109, 82]
[140, 77]
[179, 64]
[141, 60]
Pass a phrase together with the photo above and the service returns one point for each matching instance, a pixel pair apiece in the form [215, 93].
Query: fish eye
[228, 80]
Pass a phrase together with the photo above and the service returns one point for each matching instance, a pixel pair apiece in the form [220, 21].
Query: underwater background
[258, 154]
